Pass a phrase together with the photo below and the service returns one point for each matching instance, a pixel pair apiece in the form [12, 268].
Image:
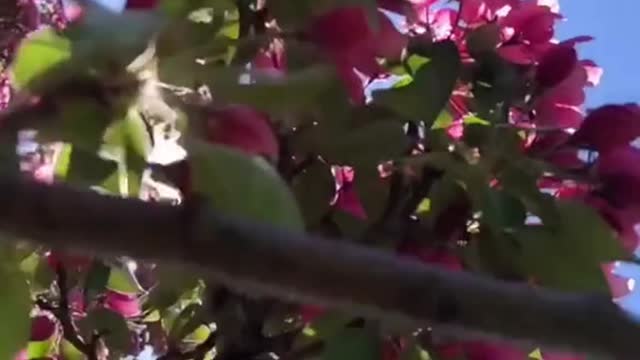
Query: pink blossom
[623, 220]
[347, 199]
[617, 285]
[594, 72]
[346, 37]
[126, 305]
[560, 106]
[243, 128]
[43, 327]
[608, 127]
[272, 60]
[22, 355]
[141, 4]
[619, 174]
[555, 65]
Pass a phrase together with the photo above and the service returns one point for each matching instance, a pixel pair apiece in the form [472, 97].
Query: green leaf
[314, 188]
[186, 322]
[104, 38]
[568, 256]
[77, 166]
[128, 133]
[69, 352]
[184, 8]
[427, 95]
[442, 194]
[15, 305]
[497, 83]
[96, 280]
[243, 186]
[327, 326]
[172, 284]
[483, 39]
[353, 344]
[198, 336]
[114, 327]
[297, 90]
[373, 191]
[41, 349]
[38, 273]
[128, 142]
[41, 52]
[369, 145]
[123, 280]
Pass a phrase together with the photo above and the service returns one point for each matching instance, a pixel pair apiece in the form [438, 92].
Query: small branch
[64, 315]
[259, 259]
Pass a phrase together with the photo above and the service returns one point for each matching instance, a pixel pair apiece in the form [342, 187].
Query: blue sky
[615, 48]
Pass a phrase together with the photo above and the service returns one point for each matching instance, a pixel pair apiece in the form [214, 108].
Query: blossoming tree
[254, 179]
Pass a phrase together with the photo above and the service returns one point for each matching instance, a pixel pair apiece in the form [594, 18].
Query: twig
[64, 315]
[260, 259]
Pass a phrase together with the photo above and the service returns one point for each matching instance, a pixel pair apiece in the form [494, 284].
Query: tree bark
[259, 259]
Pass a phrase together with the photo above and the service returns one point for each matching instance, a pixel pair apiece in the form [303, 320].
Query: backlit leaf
[425, 97]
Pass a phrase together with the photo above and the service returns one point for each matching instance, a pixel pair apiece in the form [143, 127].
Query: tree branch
[262, 260]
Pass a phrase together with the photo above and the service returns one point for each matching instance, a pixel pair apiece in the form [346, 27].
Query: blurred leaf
[243, 186]
[77, 166]
[296, 90]
[15, 305]
[99, 43]
[350, 226]
[198, 336]
[114, 327]
[186, 322]
[568, 256]
[109, 38]
[185, 37]
[96, 280]
[69, 352]
[373, 191]
[367, 146]
[41, 349]
[184, 8]
[128, 142]
[327, 326]
[172, 284]
[444, 192]
[38, 273]
[443, 121]
[520, 180]
[122, 280]
[41, 52]
[425, 97]
[497, 83]
[314, 188]
[483, 39]
[129, 133]
[353, 344]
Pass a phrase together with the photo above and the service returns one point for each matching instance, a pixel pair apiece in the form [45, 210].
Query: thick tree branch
[260, 259]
